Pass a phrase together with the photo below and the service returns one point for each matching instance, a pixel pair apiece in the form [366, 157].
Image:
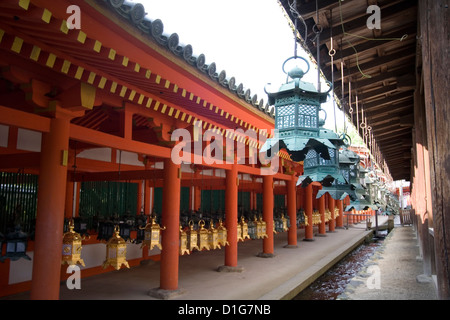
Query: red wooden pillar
[231, 204]
[309, 212]
[292, 212]
[340, 218]
[332, 222]
[171, 221]
[322, 228]
[50, 210]
[268, 202]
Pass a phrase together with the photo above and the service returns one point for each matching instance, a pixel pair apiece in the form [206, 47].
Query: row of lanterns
[211, 238]
[215, 238]
[116, 246]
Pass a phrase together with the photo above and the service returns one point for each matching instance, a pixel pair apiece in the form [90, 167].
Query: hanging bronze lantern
[193, 237]
[262, 228]
[316, 217]
[284, 223]
[327, 215]
[183, 242]
[252, 228]
[152, 235]
[244, 229]
[16, 245]
[213, 236]
[239, 232]
[223, 234]
[116, 251]
[71, 250]
[203, 236]
[258, 228]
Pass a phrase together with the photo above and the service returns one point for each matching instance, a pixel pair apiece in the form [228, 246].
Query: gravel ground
[394, 272]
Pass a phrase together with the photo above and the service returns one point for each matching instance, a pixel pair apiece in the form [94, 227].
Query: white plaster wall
[100, 154]
[29, 140]
[93, 255]
[21, 270]
[130, 158]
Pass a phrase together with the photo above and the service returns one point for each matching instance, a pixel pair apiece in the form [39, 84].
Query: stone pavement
[394, 272]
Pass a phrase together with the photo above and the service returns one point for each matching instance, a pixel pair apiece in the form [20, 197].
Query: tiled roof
[135, 13]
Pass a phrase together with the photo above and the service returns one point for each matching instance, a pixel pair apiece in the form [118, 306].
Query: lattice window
[310, 159]
[332, 153]
[307, 116]
[286, 116]
[346, 174]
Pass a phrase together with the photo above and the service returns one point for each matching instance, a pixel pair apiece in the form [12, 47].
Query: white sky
[249, 39]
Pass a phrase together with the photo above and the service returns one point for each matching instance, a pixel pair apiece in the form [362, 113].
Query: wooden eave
[380, 67]
[127, 70]
[111, 55]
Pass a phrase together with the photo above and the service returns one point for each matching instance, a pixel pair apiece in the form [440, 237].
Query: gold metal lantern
[71, 250]
[222, 234]
[284, 223]
[239, 233]
[316, 217]
[244, 229]
[213, 234]
[183, 242]
[193, 237]
[152, 235]
[262, 226]
[203, 236]
[116, 251]
[327, 215]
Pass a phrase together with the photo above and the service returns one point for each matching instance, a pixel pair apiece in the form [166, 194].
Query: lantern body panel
[244, 229]
[152, 235]
[203, 237]
[72, 245]
[116, 252]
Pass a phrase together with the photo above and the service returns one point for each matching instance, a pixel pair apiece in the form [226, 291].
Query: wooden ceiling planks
[378, 66]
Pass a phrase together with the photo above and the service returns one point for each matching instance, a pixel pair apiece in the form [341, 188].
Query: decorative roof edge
[135, 13]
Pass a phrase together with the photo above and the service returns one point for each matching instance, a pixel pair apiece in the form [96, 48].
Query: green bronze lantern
[298, 129]
[297, 123]
[340, 190]
[362, 201]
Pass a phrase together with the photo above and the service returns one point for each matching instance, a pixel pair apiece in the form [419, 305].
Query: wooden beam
[376, 62]
[391, 100]
[361, 21]
[107, 140]
[24, 120]
[20, 160]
